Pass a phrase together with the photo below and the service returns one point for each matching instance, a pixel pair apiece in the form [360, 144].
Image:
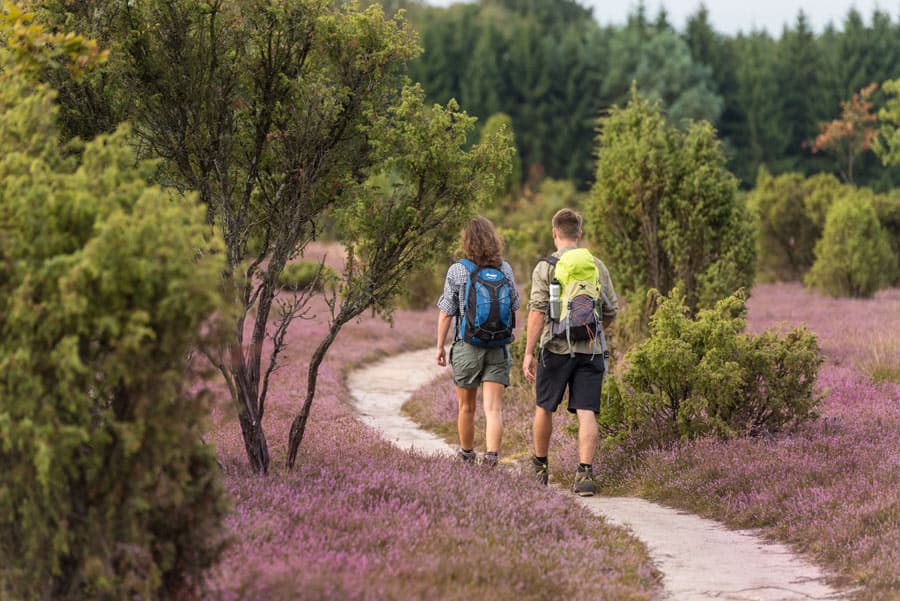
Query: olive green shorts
[473, 365]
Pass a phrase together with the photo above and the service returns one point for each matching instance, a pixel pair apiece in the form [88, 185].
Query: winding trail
[700, 559]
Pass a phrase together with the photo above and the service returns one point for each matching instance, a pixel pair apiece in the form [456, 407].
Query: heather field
[832, 489]
[359, 519]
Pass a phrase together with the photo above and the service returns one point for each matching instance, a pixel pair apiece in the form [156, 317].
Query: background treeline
[553, 69]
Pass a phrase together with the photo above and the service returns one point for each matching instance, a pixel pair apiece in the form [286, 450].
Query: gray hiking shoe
[541, 470]
[489, 460]
[584, 482]
[466, 456]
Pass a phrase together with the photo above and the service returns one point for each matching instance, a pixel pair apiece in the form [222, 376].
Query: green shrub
[107, 490]
[704, 376]
[423, 286]
[790, 213]
[853, 257]
[664, 210]
[887, 206]
[307, 275]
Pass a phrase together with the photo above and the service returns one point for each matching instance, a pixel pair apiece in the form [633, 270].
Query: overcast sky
[731, 16]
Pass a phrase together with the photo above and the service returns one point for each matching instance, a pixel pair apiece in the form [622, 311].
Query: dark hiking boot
[584, 482]
[489, 460]
[466, 456]
[541, 470]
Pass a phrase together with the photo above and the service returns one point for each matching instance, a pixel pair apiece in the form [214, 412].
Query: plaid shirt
[452, 301]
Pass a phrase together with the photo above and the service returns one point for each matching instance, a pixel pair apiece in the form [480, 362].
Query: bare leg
[543, 425]
[493, 415]
[587, 435]
[465, 420]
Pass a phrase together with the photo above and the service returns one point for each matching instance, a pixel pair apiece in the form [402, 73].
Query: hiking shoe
[541, 470]
[466, 456]
[584, 482]
[489, 460]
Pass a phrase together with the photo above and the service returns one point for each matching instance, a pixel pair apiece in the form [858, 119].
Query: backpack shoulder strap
[552, 261]
[469, 265]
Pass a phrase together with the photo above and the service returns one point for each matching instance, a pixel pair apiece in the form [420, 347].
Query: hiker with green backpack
[572, 301]
[480, 292]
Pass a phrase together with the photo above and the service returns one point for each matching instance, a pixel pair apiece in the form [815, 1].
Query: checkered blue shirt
[453, 298]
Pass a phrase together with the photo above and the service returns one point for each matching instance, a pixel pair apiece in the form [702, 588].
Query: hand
[528, 367]
[441, 356]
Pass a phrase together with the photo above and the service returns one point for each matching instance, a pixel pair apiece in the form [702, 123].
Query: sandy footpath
[700, 559]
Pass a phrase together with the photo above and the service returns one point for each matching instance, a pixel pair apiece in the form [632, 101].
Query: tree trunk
[255, 444]
[298, 426]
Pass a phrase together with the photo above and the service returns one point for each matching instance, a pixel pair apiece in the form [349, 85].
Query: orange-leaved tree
[852, 133]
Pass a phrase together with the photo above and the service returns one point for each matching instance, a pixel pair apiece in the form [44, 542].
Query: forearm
[443, 328]
[535, 328]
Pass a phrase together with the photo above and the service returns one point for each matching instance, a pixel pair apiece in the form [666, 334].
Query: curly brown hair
[481, 243]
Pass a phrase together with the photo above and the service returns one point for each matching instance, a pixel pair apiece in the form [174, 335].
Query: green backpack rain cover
[580, 296]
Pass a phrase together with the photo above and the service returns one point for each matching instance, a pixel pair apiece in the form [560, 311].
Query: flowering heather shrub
[833, 488]
[851, 332]
[358, 519]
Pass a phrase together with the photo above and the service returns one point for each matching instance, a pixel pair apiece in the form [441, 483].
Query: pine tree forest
[554, 70]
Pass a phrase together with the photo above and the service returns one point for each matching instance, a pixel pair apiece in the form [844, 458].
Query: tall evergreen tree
[482, 86]
[718, 53]
[667, 210]
[665, 71]
[798, 69]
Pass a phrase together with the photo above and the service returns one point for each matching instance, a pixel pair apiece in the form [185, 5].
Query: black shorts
[582, 374]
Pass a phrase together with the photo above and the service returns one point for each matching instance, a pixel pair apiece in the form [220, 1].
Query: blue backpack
[487, 316]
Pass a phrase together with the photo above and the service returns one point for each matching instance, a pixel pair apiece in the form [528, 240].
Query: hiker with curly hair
[480, 292]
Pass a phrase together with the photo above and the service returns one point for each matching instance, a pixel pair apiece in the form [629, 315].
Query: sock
[541, 459]
[585, 467]
[466, 451]
[494, 453]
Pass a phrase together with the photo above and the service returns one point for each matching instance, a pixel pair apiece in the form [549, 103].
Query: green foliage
[502, 122]
[541, 62]
[854, 256]
[704, 376]
[665, 211]
[798, 69]
[35, 51]
[887, 145]
[307, 275]
[423, 188]
[887, 207]
[790, 213]
[553, 70]
[273, 112]
[757, 135]
[665, 71]
[106, 284]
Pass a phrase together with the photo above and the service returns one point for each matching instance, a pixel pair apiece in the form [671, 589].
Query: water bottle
[554, 300]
